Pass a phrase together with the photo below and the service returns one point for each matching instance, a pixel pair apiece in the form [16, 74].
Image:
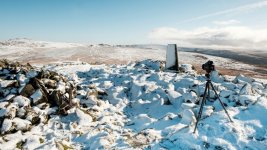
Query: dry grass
[235, 72]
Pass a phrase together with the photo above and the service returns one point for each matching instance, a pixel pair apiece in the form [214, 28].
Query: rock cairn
[29, 96]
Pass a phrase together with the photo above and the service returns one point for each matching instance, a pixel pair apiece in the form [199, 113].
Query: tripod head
[207, 75]
[208, 67]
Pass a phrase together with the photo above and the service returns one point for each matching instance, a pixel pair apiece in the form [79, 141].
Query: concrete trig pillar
[172, 58]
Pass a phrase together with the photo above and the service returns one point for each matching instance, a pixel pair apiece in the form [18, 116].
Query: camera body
[208, 66]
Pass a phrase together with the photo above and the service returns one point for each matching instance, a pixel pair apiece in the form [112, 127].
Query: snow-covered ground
[137, 106]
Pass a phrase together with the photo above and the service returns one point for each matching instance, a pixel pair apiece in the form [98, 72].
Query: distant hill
[25, 42]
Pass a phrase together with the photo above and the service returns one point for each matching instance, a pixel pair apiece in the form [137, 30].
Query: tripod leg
[208, 92]
[201, 107]
[220, 102]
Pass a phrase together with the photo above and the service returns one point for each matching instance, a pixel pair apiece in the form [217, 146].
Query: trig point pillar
[172, 58]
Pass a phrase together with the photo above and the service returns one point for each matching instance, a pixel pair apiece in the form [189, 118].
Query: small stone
[27, 90]
[54, 97]
[216, 77]
[21, 101]
[32, 116]
[14, 91]
[229, 85]
[75, 102]
[246, 99]
[257, 85]
[21, 124]
[186, 83]
[9, 97]
[38, 97]
[175, 98]
[91, 100]
[188, 105]
[2, 113]
[61, 86]
[56, 78]
[190, 97]
[4, 105]
[50, 83]
[22, 79]
[43, 106]
[11, 112]
[5, 92]
[226, 93]
[207, 111]
[246, 90]
[7, 126]
[241, 79]
[5, 71]
[21, 112]
[31, 74]
[233, 98]
[8, 83]
[83, 118]
[188, 117]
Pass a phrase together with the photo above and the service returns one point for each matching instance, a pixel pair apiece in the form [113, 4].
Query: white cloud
[240, 9]
[226, 22]
[217, 37]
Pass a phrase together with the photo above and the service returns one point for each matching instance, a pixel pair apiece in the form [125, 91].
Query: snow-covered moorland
[137, 106]
[231, 62]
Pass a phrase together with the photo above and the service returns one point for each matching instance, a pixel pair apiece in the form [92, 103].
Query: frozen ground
[137, 106]
[252, 63]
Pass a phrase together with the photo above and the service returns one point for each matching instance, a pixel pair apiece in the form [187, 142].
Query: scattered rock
[247, 99]
[216, 77]
[83, 118]
[10, 112]
[21, 124]
[39, 97]
[188, 117]
[8, 83]
[21, 101]
[186, 68]
[247, 90]
[242, 79]
[188, 106]
[207, 111]
[226, 93]
[257, 86]
[7, 126]
[190, 97]
[51, 84]
[175, 98]
[32, 116]
[27, 90]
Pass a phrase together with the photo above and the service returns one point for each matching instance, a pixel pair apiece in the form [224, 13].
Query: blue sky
[128, 21]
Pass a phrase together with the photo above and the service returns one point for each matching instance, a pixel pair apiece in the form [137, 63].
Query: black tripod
[207, 88]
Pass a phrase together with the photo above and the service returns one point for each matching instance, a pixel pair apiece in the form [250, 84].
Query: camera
[208, 66]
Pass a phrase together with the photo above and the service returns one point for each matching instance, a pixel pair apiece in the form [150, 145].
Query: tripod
[207, 88]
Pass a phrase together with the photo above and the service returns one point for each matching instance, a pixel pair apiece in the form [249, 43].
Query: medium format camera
[208, 66]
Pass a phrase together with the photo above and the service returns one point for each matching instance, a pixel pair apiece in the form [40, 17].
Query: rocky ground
[136, 106]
